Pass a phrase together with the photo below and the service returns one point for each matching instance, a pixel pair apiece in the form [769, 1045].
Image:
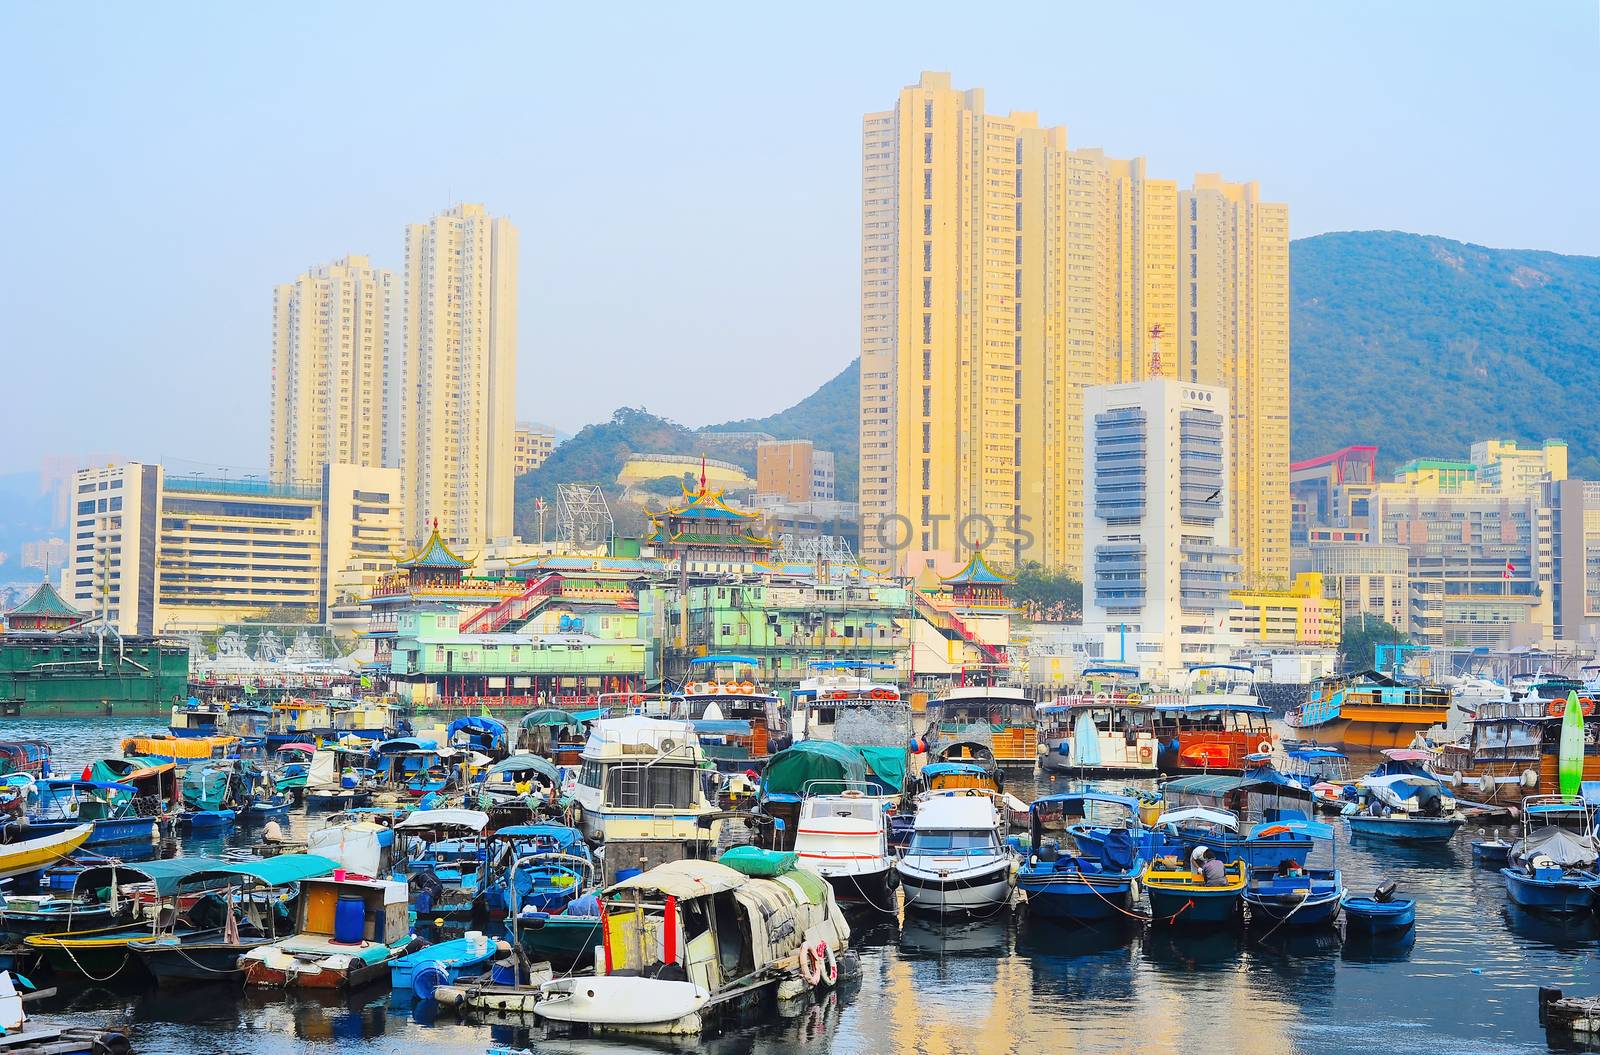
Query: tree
[1361, 637]
[1047, 595]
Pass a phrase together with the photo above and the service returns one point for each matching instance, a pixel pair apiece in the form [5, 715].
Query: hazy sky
[685, 177]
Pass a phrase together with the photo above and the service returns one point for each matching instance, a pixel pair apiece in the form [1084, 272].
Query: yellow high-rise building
[331, 331]
[1001, 273]
[1233, 331]
[458, 388]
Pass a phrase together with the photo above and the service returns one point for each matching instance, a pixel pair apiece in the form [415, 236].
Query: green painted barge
[78, 675]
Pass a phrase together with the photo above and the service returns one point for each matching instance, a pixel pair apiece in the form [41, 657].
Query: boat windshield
[954, 842]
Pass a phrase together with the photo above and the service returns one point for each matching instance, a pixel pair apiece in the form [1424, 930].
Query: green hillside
[827, 417]
[1414, 343]
[1421, 345]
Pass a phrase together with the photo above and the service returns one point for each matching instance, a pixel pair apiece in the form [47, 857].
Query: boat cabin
[843, 704]
[985, 723]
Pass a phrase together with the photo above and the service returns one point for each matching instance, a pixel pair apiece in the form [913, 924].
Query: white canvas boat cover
[472, 820]
[1564, 848]
[357, 848]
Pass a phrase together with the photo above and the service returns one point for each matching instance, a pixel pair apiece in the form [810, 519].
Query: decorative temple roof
[978, 572]
[434, 554]
[46, 603]
[705, 519]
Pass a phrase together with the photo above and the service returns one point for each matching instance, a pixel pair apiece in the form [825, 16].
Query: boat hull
[1061, 764]
[1555, 896]
[260, 975]
[957, 889]
[1319, 910]
[565, 941]
[1082, 899]
[174, 963]
[1367, 916]
[32, 855]
[1194, 907]
[1406, 829]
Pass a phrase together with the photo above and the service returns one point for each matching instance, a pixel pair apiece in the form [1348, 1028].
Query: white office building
[1158, 562]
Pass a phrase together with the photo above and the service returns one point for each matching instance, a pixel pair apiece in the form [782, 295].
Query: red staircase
[518, 609]
[950, 626]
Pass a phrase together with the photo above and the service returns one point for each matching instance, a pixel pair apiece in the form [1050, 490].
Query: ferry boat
[1217, 723]
[740, 724]
[1107, 730]
[1369, 711]
[992, 723]
[843, 704]
[1511, 748]
[640, 790]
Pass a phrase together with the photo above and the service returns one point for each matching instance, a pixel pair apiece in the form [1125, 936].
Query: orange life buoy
[1556, 708]
[810, 965]
[747, 688]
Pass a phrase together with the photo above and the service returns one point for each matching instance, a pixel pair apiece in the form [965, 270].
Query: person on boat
[1290, 868]
[1212, 871]
[272, 832]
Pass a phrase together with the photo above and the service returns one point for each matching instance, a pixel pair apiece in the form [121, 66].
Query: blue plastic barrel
[427, 978]
[349, 920]
[503, 972]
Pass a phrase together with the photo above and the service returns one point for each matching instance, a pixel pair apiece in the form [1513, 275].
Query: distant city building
[811, 519]
[159, 553]
[1160, 566]
[44, 554]
[1574, 507]
[1365, 579]
[1333, 491]
[1509, 469]
[531, 445]
[334, 345]
[1002, 272]
[456, 393]
[795, 471]
[1303, 614]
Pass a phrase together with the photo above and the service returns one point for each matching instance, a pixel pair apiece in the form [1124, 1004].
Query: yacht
[957, 861]
[845, 838]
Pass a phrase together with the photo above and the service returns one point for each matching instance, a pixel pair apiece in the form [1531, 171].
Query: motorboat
[1180, 896]
[1406, 807]
[1065, 879]
[1296, 893]
[956, 861]
[1217, 724]
[1553, 867]
[1098, 736]
[1379, 913]
[844, 837]
[994, 723]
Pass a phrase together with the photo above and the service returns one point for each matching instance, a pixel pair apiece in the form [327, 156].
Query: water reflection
[1202, 949]
[1556, 931]
[1379, 948]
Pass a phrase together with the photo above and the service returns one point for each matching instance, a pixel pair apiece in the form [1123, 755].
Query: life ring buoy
[810, 965]
[1144, 752]
[1134, 699]
[830, 964]
[747, 688]
[1557, 708]
[1264, 747]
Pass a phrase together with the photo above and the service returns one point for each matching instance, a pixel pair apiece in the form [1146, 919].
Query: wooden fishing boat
[347, 933]
[104, 955]
[1066, 881]
[1179, 896]
[254, 921]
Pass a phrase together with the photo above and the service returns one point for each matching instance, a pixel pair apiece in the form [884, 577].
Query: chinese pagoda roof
[45, 602]
[978, 572]
[705, 505]
[434, 554]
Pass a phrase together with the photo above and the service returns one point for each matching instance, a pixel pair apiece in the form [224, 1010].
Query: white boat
[956, 861]
[692, 937]
[844, 838]
[641, 790]
[850, 708]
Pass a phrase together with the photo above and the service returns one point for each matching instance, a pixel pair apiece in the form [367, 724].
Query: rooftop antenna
[1156, 332]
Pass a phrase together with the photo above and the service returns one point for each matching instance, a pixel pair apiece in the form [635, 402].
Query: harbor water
[1466, 981]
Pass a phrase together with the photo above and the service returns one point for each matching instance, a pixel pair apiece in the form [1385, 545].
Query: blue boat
[1491, 853]
[1382, 913]
[197, 820]
[424, 971]
[1552, 867]
[474, 733]
[1093, 882]
[1402, 799]
[548, 893]
[59, 805]
[1180, 896]
[1292, 894]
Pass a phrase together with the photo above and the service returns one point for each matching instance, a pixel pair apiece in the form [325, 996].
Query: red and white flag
[1509, 569]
